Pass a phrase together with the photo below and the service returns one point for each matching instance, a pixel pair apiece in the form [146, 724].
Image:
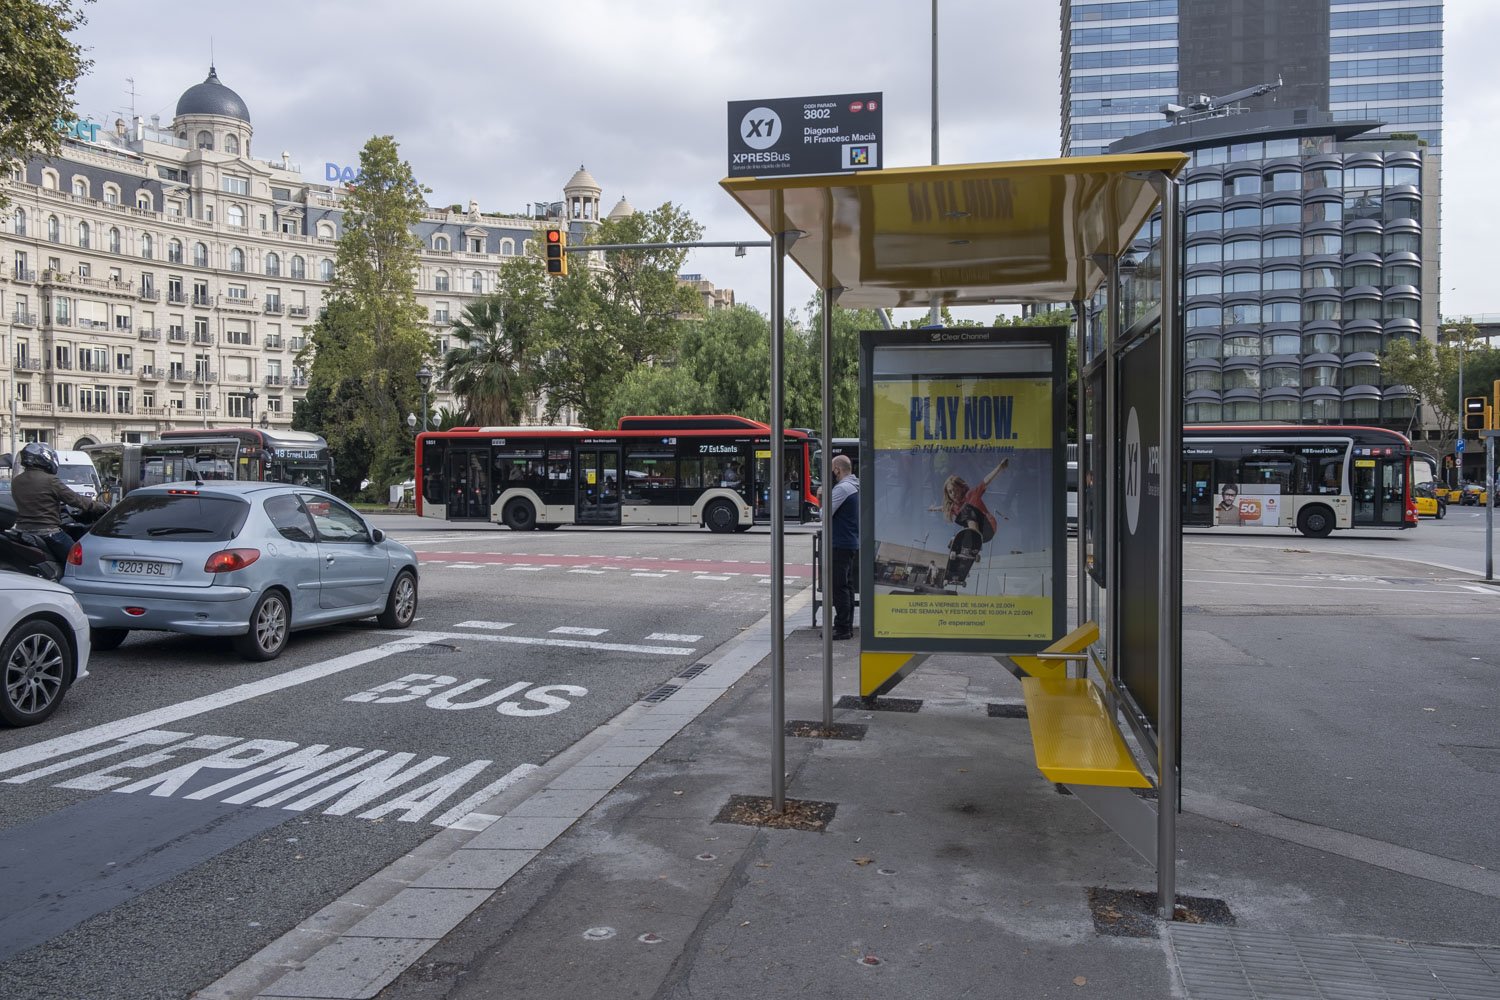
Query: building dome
[622, 210]
[583, 180]
[212, 98]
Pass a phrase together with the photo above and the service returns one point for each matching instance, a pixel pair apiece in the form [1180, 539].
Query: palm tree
[494, 370]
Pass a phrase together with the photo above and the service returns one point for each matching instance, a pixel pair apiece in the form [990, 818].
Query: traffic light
[557, 252]
[1476, 414]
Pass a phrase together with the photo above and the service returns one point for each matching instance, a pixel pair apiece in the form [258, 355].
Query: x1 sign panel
[805, 135]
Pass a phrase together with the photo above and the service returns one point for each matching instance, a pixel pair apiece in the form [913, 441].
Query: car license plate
[142, 567]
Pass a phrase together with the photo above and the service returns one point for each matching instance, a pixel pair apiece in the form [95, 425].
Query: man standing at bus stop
[843, 508]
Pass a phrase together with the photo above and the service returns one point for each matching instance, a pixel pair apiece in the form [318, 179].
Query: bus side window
[691, 472]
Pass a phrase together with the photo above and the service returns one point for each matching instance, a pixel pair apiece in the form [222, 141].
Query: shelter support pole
[778, 519]
[1080, 577]
[825, 476]
[935, 90]
[1108, 424]
[1489, 508]
[1169, 608]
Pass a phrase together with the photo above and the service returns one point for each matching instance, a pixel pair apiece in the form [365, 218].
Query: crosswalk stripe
[671, 637]
[576, 630]
[493, 626]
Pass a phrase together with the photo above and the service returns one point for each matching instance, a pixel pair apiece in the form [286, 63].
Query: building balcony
[60, 321]
[203, 300]
[177, 336]
[149, 335]
[92, 324]
[93, 408]
[150, 374]
[175, 374]
[60, 365]
[274, 343]
[203, 339]
[238, 304]
[97, 367]
[37, 407]
[297, 312]
[296, 343]
[273, 308]
[205, 378]
[19, 318]
[148, 295]
[153, 411]
[24, 277]
[54, 277]
[176, 299]
[297, 381]
[275, 380]
[28, 364]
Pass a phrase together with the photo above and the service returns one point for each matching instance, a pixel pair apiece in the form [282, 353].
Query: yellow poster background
[918, 411]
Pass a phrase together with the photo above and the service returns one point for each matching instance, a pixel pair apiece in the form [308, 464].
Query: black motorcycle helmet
[38, 456]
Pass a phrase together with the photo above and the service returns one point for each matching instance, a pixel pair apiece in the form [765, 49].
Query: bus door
[761, 484]
[792, 471]
[1198, 493]
[468, 479]
[1379, 485]
[598, 476]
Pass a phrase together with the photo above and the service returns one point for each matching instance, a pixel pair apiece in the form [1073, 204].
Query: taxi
[1430, 501]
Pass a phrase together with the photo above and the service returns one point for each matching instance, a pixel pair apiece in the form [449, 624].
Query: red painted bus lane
[639, 563]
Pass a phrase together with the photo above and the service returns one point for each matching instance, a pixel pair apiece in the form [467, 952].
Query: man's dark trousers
[845, 564]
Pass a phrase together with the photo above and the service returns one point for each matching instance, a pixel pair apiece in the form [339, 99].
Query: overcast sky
[500, 101]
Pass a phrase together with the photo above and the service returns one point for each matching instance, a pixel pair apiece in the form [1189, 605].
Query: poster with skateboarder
[962, 491]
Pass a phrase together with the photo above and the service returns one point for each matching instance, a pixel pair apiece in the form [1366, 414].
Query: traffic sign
[834, 134]
[1460, 446]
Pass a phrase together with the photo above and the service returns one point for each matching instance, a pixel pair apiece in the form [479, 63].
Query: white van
[77, 472]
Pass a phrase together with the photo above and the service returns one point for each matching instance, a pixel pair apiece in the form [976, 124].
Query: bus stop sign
[805, 135]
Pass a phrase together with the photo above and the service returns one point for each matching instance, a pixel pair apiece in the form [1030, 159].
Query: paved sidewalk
[950, 868]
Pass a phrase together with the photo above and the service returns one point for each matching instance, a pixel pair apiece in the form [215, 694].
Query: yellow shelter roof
[970, 233]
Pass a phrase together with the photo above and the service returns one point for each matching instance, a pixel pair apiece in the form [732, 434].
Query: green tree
[39, 69]
[374, 338]
[502, 337]
[606, 321]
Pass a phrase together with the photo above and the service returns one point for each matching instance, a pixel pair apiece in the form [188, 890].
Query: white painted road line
[496, 626]
[524, 569]
[590, 572]
[671, 637]
[577, 630]
[707, 577]
[649, 574]
[13, 760]
[1332, 587]
[526, 640]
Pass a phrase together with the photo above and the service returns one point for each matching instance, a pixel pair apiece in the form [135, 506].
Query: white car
[45, 650]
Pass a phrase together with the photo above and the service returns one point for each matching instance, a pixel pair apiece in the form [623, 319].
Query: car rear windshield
[174, 518]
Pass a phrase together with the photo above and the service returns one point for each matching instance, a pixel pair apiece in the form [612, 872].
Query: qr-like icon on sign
[860, 155]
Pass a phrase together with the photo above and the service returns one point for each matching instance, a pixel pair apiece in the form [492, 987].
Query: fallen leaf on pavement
[1080, 981]
[863, 861]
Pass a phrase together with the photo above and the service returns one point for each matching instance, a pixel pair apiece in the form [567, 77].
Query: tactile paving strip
[1232, 963]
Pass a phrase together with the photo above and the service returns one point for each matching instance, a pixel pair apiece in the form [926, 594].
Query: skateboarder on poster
[964, 505]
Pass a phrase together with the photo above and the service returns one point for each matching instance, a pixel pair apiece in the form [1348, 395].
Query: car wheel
[107, 638]
[720, 516]
[401, 604]
[34, 661]
[269, 626]
[520, 515]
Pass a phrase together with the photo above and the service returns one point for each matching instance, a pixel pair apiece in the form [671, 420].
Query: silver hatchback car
[248, 560]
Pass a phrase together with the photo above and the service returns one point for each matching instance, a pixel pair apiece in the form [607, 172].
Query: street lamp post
[250, 399]
[424, 378]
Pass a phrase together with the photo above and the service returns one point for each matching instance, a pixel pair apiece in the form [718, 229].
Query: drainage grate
[693, 671]
[1006, 710]
[662, 693]
[1232, 962]
[880, 704]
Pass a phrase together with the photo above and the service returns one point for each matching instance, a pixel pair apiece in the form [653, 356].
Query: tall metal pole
[1169, 510]
[934, 82]
[1108, 425]
[778, 527]
[1459, 459]
[825, 476]
[1489, 507]
[1080, 319]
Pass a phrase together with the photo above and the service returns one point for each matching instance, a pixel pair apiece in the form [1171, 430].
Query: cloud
[501, 101]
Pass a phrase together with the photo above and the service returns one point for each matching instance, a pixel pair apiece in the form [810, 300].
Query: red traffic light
[557, 255]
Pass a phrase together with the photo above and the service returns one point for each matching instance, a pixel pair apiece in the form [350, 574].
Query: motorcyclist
[39, 496]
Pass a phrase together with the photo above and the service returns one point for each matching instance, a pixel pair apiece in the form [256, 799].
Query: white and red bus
[710, 470]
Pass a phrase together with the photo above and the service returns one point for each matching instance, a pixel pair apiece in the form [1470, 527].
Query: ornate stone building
[164, 276]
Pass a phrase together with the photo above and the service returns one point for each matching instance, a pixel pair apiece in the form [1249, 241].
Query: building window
[273, 264]
[476, 283]
[143, 201]
[325, 269]
[205, 139]
[240, 292]
[20, 222]
[440, 244]
[476, 244]
[111, 194]
[236, 259]
[299, 267]
[231, 143]
[508, 247]
[440, 283]
[80, 188]
[114, 240]
[83, 235]
[174, 252]
[200, 255]
[54, 229]
[234, 215]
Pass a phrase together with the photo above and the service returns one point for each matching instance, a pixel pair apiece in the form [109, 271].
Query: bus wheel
[1315, 522]
[520, 515]
[721, 516]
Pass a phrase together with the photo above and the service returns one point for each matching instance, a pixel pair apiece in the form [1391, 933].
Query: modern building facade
[1309, 247]
[163, 276]
[1359, 60]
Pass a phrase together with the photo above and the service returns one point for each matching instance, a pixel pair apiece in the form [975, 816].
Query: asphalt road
[156, 831]
[1342, 682]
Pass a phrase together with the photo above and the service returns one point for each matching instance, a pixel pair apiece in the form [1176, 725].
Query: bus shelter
[1042, 232]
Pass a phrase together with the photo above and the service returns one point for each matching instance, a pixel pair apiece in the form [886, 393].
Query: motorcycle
[27, 552]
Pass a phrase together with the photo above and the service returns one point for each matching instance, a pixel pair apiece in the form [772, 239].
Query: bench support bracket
[1124, 812]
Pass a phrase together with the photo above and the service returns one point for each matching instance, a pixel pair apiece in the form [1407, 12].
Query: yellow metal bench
[1076, 641]
[1073, 736]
